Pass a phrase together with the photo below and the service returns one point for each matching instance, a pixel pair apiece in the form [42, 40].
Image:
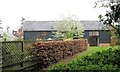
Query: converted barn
[96, 33]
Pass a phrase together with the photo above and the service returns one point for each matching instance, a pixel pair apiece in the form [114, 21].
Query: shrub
[53, 51]
[106, 60]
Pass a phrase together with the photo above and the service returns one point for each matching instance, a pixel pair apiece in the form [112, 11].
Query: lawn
[89, 51]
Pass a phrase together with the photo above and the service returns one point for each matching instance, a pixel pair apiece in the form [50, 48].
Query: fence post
[1, 56]
[22, 53]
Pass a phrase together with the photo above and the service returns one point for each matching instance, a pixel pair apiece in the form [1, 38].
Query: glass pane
[93, 33]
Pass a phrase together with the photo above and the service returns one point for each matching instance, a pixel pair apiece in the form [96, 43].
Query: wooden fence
[15, 56]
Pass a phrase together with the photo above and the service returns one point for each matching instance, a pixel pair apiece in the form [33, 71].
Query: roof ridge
[40, 21]
[88, 25]
[60, 20]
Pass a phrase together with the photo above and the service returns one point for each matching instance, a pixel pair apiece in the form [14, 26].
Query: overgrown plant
[69, 28]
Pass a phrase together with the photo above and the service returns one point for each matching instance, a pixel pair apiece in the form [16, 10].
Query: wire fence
[16, 55]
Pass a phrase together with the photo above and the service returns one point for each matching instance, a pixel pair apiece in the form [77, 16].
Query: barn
[96, 33]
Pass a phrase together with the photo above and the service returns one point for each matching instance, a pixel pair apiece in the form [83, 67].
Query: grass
[89, 51]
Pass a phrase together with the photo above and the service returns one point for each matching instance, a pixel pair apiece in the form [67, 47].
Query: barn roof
[49, 25]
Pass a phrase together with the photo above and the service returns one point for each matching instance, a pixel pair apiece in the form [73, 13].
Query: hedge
[100, 61]
[53, 51]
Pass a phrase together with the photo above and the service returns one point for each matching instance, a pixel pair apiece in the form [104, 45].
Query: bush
[53, 51]
[86, 68]
[106, 60]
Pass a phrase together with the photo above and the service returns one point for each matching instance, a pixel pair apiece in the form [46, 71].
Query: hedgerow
[53, 51]
[105, 60]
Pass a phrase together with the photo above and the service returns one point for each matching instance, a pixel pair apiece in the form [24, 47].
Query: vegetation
[112, 17]
[105, 60]
[68, 28]
[53, 51]
[5, 37]
[12, 54]
[89, 51]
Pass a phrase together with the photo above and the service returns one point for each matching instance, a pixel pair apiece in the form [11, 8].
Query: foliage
[105, 60]
[12, 54]
[68, 28]
[112, 17]
[18, 39]
[89, 51]
[5, 37]
[54, 51]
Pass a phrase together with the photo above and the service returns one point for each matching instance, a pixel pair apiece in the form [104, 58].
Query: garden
[67, 52]
[30, 55]
[101, 59]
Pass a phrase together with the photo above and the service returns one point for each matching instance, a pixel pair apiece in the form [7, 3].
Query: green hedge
[105, 60]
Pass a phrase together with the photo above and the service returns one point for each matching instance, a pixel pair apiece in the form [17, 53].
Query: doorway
[93, 40]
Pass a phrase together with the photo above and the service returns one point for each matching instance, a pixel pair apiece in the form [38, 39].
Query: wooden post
[22, 54]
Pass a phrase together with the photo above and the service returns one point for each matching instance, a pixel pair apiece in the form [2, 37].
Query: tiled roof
[49, 25]
[93, 25]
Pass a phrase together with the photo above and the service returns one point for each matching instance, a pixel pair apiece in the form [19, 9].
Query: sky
[11, 11]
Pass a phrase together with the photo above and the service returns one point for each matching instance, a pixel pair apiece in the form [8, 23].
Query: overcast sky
[11, 11]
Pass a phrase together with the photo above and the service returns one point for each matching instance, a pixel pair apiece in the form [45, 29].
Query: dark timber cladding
[93, 31]
[103, 37]
[33, 35]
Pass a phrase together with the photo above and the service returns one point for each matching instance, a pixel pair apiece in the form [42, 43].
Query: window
[93, 33]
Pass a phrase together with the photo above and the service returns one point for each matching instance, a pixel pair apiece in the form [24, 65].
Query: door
[93, 40]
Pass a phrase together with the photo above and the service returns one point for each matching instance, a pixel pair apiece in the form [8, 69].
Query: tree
[23, 20]
[0, 24]
[112, 17]
[5, 36]
[69, 28]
